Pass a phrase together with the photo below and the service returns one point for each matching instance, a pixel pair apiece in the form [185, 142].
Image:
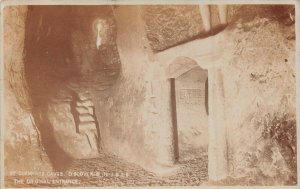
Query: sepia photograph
[127, 93]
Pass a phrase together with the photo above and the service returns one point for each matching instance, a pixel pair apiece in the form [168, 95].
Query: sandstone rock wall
[135, 116]
[170, 25]
[62, 62]
[22, 142]
[259, 83]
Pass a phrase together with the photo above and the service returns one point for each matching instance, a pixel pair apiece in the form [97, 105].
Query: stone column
[205, 16]
[217, 150]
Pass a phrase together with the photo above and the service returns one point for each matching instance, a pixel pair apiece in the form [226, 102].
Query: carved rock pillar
[217, 151]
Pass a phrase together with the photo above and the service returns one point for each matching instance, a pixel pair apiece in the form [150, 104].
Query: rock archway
[189, 96]
[217, 136]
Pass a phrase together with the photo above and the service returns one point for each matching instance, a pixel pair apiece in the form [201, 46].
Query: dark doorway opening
[189, 95]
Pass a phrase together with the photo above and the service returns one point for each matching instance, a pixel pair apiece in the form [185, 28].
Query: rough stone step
[91, 110]
[87, 126]
[58, 100]
[103, 84]
[100, 88]
[73, 85]
[86, 118]
[84, 96]
[85, 110]
[91, 136]
[85, 103]
[63, 94]
[111, 73]
[82, 110]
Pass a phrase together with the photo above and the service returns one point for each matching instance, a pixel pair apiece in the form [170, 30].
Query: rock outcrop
[22, 139]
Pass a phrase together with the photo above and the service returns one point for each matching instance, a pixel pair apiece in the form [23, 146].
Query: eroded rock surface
[22, 140]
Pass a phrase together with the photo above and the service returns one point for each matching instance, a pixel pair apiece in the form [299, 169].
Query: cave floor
[108, 170]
